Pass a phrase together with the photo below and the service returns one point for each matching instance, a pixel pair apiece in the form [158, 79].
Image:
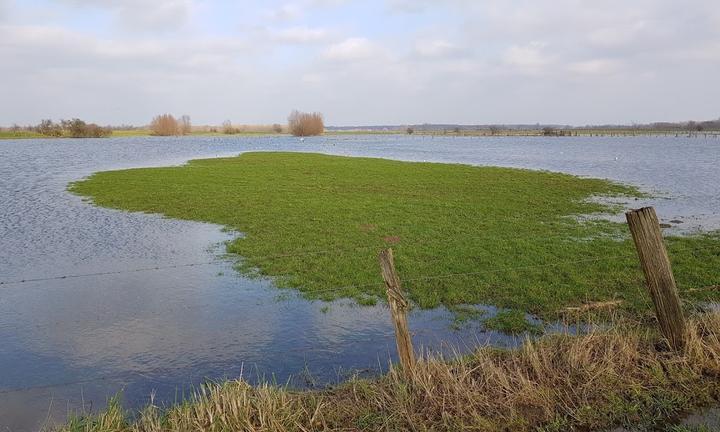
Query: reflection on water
[69, 342]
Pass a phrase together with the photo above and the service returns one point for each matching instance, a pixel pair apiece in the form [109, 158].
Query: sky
[369, 62]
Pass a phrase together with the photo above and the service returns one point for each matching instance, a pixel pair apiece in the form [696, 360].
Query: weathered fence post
[645, 229]
[398, 307]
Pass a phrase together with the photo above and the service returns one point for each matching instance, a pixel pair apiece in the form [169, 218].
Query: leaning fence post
[645, 229]
[398, 307]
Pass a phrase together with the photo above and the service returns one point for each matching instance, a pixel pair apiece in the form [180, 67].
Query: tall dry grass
[229, 128]
[562, 382]
[306, 124]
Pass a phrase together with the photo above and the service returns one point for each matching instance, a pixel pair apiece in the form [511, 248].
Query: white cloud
[356, 48]
[616, 35]
[455, 61]
[299, 35]
[156, 15]
[596, 67]
[285, 12]
[435, 48]
[4, 8]
[531, 57]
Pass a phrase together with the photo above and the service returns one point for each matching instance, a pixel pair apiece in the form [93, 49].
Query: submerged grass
[462, 234]
[608, 377]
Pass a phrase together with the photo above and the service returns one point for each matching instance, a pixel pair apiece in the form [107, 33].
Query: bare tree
[305, 124]
[227, 128]
[185, 125]
[277, 128]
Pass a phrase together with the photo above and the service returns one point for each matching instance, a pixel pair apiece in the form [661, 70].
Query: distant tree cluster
[229, 129]
[168, 125]
[74, 128]
[551, 131]
[306, 124]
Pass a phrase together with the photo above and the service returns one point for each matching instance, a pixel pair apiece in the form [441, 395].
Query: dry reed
[616, 376]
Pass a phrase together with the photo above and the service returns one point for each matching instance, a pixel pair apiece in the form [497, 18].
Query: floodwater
[96, 301]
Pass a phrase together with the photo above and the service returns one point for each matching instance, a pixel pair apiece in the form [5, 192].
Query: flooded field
[96, 301]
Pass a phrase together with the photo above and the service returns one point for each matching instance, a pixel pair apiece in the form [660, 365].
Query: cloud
[436, 48]
[299, 35]
[352, 49]
[530, 58]
[406, 6]
[285, 12]
[596, 67]
[156, 15]
[493, 61]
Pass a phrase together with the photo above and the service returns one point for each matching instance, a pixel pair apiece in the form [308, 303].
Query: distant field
[462, 234]
[575, 132]
[19, 134]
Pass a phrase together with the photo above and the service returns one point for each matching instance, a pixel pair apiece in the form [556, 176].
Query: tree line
[74, 128]
[299, 124]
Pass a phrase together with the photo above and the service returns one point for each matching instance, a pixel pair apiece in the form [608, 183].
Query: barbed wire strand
[239, 259]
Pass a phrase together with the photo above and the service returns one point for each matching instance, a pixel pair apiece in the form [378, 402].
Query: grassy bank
[22, 134]
[558, 383]
[462, 234]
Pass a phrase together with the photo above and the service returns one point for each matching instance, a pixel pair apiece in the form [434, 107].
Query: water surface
[164, 310]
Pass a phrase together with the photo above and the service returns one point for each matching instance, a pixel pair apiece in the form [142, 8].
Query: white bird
[302, 139]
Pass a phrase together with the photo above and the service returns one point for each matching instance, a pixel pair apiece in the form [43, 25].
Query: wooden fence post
[645, 229]
[398, 307]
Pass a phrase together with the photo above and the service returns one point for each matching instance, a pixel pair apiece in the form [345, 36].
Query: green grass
[316, 223]
[512, 321]
[6, 134]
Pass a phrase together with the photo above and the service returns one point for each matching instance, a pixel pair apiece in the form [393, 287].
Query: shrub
[277, 128]
[227, 128]
[74, 128]
[305, 124]
[77, 128]
[48, 128]
[165, 125]
[410, 131]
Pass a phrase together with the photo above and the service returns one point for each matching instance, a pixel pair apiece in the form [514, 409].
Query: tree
[227, 128]
[277, 128]
[164, 125]
[185, 126]
[305, 124]
[48, 128]
[410, 131]
[549, 131]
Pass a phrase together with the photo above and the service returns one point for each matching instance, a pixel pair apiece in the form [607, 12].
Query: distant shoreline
[9, 135]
